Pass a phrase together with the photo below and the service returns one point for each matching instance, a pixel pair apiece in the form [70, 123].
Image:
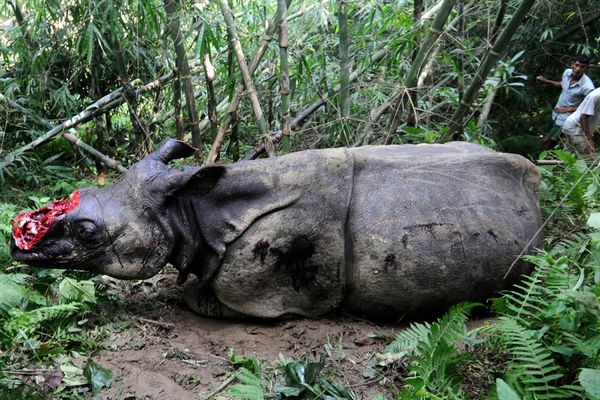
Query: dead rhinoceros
[379, 231]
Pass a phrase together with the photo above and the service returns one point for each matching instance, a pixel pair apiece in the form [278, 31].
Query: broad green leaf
[71, 290]
[97, 376]
[72, 375]
[594, 221]
[11, 290]
[504, 391]
[590, 381]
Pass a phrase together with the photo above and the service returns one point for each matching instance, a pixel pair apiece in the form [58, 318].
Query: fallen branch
[235, 102]
[300, 118]
[104, 104]
[223, 385]
[68, 136]
[104, 159]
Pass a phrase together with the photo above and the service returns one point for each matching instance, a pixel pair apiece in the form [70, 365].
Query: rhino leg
[203, 302]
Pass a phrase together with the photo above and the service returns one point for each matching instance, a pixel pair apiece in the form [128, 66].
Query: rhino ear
[172, 150]
[196, 181]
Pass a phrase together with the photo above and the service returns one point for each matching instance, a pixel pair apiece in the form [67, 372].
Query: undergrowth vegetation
[47, 318]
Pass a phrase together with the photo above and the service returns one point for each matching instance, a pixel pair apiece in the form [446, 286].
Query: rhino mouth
[39, 259]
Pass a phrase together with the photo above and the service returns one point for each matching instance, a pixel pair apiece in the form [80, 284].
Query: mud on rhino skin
[379, 231]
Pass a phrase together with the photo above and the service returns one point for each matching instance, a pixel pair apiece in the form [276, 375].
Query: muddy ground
[165, 351]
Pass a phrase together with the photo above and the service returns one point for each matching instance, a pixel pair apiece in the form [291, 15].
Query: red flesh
[28, 228]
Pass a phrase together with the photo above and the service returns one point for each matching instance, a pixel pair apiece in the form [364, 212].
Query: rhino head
[124, 230]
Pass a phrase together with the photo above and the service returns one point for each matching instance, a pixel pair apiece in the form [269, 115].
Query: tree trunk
[31, 45]
[284, 70]
[487, 64]
[171, 7]
[233, 105]
[237, 48]
[435, 30]
[344, 45]
[211, 104]
[179, 130]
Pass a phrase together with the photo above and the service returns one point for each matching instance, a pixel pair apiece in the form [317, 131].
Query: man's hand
[543, 79]
[562, 110]
[589, 146]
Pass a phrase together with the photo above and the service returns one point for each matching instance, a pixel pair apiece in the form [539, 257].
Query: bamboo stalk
[109, 162]
[487, 64]
[435, 30]
[284, 70]
[344, 44]
[104, 104]
[171, 7]
[237, 48]
[307, 112]
[460, 61]
[233, 105]
[71, 137]
[211, 104]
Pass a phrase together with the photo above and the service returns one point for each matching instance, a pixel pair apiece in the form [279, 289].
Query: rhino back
[291, 259]
[430, 225]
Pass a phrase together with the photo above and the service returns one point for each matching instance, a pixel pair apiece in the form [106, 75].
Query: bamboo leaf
[590, 380]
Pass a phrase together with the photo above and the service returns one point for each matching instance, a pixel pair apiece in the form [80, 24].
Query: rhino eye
[86, 230]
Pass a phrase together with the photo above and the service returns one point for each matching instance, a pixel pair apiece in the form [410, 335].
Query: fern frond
[44, 314]
[531, 360]
[408, 339]
[71, 290]
[12, 293]
[249, 389]
[436, 353]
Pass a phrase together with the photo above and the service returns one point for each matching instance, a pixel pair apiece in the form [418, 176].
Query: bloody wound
[28, 228]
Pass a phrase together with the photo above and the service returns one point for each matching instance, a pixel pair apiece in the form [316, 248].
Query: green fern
[30, 321]
[12, 293]
[71, 290]
[408, 340]
[436, 352]
[533, 365]
[249, 389]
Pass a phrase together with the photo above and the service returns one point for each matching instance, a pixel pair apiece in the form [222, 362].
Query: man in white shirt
[580, 125]
[575, 85]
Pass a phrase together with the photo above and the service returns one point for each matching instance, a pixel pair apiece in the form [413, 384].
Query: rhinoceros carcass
[379, 231]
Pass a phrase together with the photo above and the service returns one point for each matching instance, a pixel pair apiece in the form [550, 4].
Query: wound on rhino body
[260, 250]
[29, 227]
[294, 261]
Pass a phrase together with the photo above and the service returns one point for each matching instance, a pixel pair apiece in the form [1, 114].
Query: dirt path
[167, 352]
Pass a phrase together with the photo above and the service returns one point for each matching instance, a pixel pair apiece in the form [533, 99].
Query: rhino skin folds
[379, 231]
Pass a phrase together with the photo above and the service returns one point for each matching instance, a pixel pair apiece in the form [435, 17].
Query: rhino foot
[203, 302]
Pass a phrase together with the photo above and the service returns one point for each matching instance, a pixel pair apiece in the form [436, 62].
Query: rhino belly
[426, 233]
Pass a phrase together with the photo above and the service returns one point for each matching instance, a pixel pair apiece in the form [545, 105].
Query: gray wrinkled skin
[380, 231]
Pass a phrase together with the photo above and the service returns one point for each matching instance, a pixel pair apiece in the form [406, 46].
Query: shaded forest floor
[166, 351]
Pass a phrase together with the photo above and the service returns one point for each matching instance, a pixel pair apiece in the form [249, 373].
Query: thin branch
[237, 48]
[184, 71]
[226, 122]
[301, 117]
[487, 64]
[284, 69]
[109, 162]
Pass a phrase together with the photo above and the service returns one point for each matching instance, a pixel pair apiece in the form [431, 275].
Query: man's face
[578, 69]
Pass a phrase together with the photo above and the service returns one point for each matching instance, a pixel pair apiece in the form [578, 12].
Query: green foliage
[590, 380]
[249, 389]
[306, 380]
[97, 376]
